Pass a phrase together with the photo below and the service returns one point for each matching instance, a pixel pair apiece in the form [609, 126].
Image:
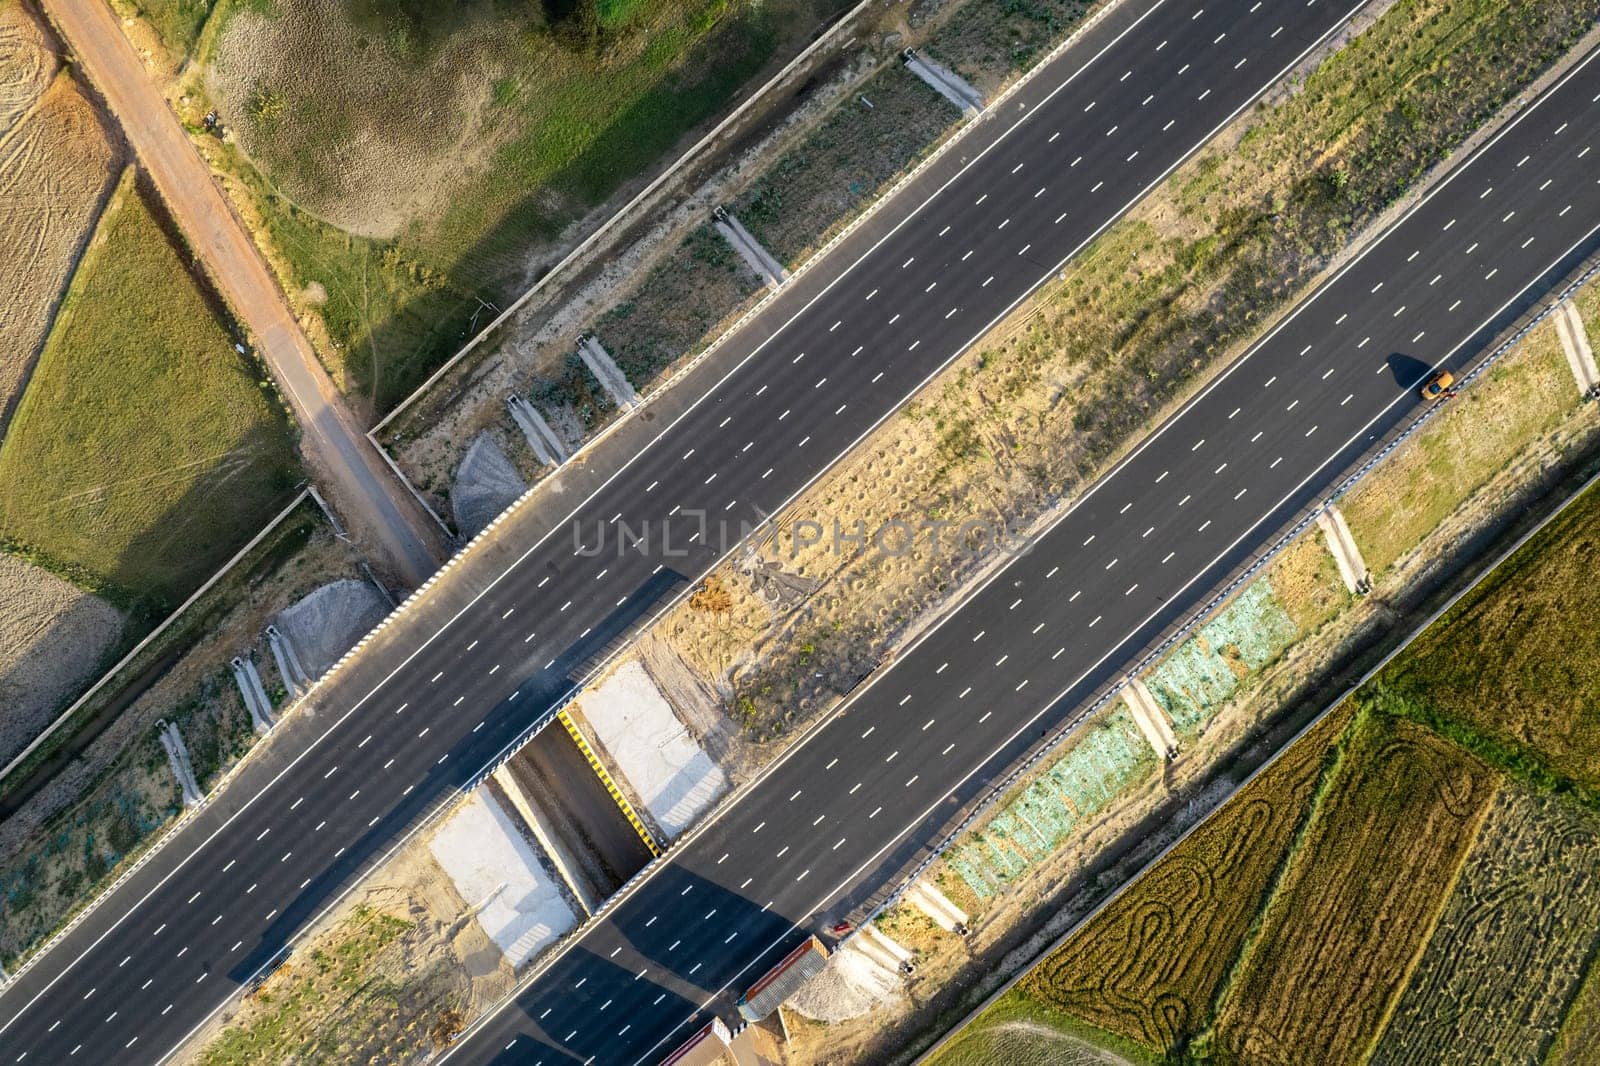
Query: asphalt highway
[1140, 551]
[844, 346]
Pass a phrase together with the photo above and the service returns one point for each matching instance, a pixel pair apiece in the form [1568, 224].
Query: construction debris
[320, 627]
[485, 484]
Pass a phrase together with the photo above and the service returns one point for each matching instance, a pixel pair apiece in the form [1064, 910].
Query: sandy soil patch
[53, 636]
[57, 166]
[391, 977]
[512, 892]
[28, 61]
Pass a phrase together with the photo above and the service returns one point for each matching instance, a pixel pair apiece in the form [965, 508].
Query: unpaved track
[382, 515]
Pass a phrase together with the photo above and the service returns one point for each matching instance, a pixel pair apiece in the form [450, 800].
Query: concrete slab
[547, 447]
[606, 371]
[178, 759]
[499, 874]
[1150, 718]
[294, 678]
[946, 82]
[1352, 567]
[926, 897]
[750, 250]
[254, 695]
[1575, 343]
[638, 729]
[509, 791]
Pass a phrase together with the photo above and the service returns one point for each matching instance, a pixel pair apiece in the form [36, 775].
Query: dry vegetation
[1526, 397]
[392, 977]
[1147, 968]
[1513, 943]
[815, 189]
[1341, 931]
[58, 163]
[1530, 713]
[1021, 423]
[989, 43]
[145, 450]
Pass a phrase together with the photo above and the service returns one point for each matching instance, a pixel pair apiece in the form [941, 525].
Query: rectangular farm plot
[145, 450]
[1358, 899]
[676, 780]
[1148, 967]
[1510, 949]
[56, 168]
[1534, 620]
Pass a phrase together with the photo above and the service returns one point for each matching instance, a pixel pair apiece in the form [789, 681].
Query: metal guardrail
[1529, 320]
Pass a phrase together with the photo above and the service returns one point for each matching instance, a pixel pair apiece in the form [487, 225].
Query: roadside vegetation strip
[1164, 296]
[1528, 396]
[87, 826]
[145, 448]
[362, 995]
[1388, 834]
[1149, 965]
[390, 224]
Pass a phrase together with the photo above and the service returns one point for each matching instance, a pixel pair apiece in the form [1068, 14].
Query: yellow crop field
[1358, 899]
[1148, 967]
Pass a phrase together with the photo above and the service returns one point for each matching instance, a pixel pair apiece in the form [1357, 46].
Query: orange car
[1438, 387]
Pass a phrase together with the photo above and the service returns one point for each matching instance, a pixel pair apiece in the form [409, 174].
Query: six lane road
[847, 809]
[843, 346]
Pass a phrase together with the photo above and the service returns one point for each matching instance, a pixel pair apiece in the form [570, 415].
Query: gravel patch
[328, 622]
[486, 483]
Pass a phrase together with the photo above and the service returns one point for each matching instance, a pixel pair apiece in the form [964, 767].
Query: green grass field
[145, 450]
[412, 159]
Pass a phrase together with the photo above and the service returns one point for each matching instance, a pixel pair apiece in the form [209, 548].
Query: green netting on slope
[1104, 762]
[1192, 682]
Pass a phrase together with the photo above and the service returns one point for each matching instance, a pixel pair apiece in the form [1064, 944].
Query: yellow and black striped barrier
[611, 786]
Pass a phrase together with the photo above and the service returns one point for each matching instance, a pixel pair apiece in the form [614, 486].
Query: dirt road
[383, 517]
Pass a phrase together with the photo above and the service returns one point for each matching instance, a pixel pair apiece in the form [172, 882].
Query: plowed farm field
[58, 163]
[1511, 947]
[1358, 899]
[1148, 967]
